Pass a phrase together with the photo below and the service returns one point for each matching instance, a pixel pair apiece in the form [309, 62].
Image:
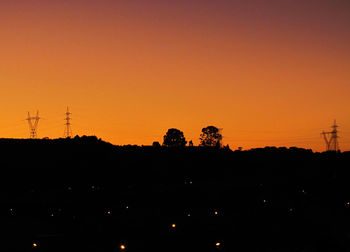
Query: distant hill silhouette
[84, 194]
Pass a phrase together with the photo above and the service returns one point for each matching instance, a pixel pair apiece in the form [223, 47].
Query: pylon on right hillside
[331, 138]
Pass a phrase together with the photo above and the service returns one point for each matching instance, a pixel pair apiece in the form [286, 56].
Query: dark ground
[83, 194]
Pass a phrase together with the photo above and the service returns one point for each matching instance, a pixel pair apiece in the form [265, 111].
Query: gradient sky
[270, 73]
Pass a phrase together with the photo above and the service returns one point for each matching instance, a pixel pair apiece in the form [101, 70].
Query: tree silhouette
[210, 136]
[156, 144]
[174, 138]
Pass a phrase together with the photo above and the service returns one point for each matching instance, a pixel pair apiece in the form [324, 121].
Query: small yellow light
[216, 213]
[173, 225]
[51, 215]
[122, 247]
[35, 245]
[127, 207]
[108, 212]
[218, 244]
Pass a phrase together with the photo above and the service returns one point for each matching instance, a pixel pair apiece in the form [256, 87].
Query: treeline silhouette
[210, 137]
[83, 194]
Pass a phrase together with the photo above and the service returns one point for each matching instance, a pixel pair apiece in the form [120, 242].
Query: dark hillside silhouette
[83, 194]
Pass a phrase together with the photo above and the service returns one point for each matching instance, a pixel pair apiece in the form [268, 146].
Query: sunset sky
[270, 73]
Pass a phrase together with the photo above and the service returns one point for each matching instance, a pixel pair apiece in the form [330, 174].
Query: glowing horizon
[272, 74]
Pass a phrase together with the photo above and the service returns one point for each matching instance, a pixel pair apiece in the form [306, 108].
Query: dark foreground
[86, 195]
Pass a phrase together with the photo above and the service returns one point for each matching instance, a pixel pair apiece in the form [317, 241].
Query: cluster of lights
[95, 188]
[52, 212]
[92, 188]
[188, 214]
[173, 225]
[123, 246]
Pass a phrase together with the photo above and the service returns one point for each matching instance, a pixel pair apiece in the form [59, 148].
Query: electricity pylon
[68, 129]
[331, 138]
[33, 124]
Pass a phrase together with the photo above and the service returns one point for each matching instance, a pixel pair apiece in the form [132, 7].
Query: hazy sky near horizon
[270, 73]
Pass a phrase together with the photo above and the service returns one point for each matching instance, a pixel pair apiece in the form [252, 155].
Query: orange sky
[272, 74]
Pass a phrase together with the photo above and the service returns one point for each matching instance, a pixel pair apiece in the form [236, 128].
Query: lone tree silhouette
[210, 136]
[174, 138]
[156, 144]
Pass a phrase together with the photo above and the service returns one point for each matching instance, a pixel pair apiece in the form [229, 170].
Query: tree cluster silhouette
[210, 137]
[174, 138]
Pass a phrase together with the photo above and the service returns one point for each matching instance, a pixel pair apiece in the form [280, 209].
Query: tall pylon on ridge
[331, 138]
[68, 129]
[33, 124]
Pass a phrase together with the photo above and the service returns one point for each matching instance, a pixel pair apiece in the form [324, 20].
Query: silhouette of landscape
[84, 194]
[175, 126]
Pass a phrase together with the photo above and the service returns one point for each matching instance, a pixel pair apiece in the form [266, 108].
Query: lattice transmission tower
[331, 138]
[33, 124]
[68, 129]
